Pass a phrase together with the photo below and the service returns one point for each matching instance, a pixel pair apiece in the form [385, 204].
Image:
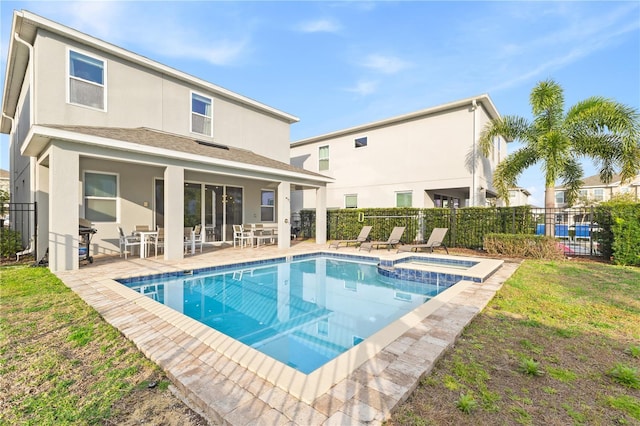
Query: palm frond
[547, 105]
[510, 127]
[571, 176]
[507, 171]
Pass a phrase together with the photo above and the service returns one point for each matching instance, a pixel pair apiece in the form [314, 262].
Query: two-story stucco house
[100, 133]
[594, 191]
[427, 158]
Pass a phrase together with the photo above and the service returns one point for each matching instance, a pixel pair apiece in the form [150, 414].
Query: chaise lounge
[393, 240]
[362, 237]
[435, 240]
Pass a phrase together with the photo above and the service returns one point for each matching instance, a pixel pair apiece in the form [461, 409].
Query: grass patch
[54, 352]
[566, 318]
[625, 375]
[627, 404]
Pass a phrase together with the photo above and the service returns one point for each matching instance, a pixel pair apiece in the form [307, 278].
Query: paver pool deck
[224, 391]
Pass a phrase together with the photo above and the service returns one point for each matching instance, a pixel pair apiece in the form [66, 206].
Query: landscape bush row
[618, 222]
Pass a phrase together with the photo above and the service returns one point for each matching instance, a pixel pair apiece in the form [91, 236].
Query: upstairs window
[86, 80]
[201, 115]
[267, 206]
[361, 142]
[323, 155]
[559, 197]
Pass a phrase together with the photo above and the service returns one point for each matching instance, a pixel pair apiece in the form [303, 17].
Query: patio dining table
[146, 237]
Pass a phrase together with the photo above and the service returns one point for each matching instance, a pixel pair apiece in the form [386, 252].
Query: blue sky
[340, 64]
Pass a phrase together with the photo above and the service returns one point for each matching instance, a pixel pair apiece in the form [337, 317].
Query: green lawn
[559, 344]
[60, 363]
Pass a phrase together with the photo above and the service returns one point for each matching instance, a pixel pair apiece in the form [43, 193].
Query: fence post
[452, 226]
[35, 231]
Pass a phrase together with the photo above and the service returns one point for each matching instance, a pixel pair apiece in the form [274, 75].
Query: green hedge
[620, 231]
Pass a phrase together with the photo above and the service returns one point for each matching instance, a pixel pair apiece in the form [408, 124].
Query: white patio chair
[241, 236]
[127, 241]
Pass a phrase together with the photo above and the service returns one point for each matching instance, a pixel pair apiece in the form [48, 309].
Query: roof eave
[484, 99]
[40, 136]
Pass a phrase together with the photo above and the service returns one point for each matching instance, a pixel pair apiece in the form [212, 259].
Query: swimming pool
[304, 311]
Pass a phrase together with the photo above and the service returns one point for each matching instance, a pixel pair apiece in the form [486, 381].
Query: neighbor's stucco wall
[138, 97]
[428, 153]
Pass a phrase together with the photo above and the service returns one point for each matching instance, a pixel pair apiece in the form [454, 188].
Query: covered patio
[130, 177]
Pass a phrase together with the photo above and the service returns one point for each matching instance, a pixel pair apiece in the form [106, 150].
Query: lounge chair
[435, 240]
[364, 235]
[394, 239]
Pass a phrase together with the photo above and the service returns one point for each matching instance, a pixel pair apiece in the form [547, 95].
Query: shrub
[10, 243]
[523, 245]
[619, 221]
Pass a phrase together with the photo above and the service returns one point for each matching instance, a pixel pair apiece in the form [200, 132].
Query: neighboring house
[421, 159]
[100, 133]
[518, 197]
[4, 181]
[594, 191]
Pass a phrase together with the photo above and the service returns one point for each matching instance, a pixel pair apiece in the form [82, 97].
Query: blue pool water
[303, 313]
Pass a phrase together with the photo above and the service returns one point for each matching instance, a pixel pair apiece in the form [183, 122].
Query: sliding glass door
[217, 207]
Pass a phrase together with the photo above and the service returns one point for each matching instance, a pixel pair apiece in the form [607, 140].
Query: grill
[86, 231]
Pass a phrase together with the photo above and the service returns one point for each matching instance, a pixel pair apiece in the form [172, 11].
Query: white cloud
[385, 64]
[140, 26]
[319, 26]
[364, 87]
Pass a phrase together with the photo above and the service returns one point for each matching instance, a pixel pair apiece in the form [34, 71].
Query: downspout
[32, 110]
[474, 177]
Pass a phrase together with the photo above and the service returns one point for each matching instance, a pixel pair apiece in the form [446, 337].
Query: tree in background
[602, 129]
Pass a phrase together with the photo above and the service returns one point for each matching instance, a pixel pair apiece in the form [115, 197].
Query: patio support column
[321, 215]
[64, 203]
[173, 213]
[284, 215]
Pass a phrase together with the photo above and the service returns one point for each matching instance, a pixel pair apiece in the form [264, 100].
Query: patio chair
[435, 240]
[158, 241]
[393, 240]
[241, 236]
[362, 237]
[193, 238]
[127, 241]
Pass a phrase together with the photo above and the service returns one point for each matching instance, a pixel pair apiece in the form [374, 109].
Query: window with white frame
[404, 199]
[201, 114]
[559, 197]
[598, 194]
[100, 197]
[323, 158]
[351, 201]
[267, 205]
[87, 80]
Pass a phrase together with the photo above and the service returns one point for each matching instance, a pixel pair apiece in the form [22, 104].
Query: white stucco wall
[423, 154]
[139, 97]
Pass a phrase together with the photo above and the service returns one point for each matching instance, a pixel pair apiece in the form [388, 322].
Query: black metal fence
[578, 230]
[18, 230]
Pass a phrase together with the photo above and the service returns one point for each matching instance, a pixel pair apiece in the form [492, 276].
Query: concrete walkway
[226, 392]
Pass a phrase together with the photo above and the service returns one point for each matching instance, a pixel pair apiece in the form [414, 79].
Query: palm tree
[602, 129]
